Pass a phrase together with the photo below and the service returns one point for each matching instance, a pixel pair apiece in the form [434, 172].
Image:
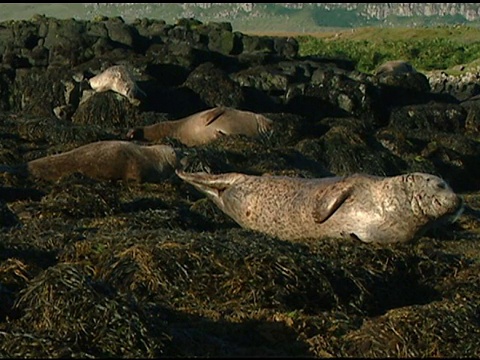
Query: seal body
[370, 208]
[395, 67]
[108, 160]
[205, 126]
[120, 80]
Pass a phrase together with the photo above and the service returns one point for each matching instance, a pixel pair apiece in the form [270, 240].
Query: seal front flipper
[328, 200]
[213, 114]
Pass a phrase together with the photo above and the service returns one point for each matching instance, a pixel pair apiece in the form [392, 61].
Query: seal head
[119, 79]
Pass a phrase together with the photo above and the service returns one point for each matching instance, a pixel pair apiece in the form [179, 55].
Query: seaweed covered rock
[71, 291]
[77, 196]
[347, 148]
[57, 132]
[106, 109]
[393, 334]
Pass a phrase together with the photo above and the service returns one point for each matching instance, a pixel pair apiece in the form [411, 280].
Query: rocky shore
[97, 269]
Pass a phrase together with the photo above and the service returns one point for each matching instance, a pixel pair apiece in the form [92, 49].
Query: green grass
[441, 47]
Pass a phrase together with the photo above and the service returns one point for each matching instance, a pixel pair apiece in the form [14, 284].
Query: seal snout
[135, 134]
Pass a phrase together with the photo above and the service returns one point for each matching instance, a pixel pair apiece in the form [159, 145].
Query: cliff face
[367, 11]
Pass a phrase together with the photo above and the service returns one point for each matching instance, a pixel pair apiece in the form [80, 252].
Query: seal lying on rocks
[395, 67]
[105, 160]
[119, 79]
[371, 208]
[205, 126]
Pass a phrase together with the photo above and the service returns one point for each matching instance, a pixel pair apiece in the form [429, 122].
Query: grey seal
[106, 160]
[370, 208]
[119, 79]
[205, 126]
[395, 67]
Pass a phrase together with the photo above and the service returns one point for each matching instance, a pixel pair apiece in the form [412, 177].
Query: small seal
[395, 67]
[119, 79]
[106, 160]
[205, 126]
[370, 208]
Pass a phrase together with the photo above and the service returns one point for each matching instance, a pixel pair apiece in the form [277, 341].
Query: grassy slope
[463, 34]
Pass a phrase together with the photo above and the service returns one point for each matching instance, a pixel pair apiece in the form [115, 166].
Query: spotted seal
[370, 208]
[205, 126]
[120, 80]
[106, 160]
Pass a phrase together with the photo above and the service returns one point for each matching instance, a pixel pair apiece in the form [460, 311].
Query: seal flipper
[328, 201]
[213, 114]
[211, 185]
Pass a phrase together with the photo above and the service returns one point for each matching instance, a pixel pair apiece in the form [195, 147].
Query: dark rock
[347, 148]
[472, 107]
[151, 29]
[266, 78]
[180, 54]
[431, 116]
[455, 157]
[402, 89]
[7, 217]
[38, 91]
[261, 44]
[215, 87]
[67, 42]
[184, 34]
[6, 87]
[121, 33]
[286, 46]
[333, 93]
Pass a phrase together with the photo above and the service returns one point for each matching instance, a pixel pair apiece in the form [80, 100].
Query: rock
[107, 109]
[261, 44]
[462, 87]
[431, 116]
[215, 87]
[67, 42]
[472, 107]
[7, 217]
[286, 46]
[120, 33]
[346, 148]
[403, 88]
[266, 78]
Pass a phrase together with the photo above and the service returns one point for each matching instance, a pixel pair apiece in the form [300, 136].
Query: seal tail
[211, 185]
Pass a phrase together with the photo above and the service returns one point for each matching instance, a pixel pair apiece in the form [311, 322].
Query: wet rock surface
[96, 269]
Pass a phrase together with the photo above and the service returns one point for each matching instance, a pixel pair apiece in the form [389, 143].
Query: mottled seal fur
[395, 67]
[120, 80]
[205, 126]
[106, 160]
[371, 208]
